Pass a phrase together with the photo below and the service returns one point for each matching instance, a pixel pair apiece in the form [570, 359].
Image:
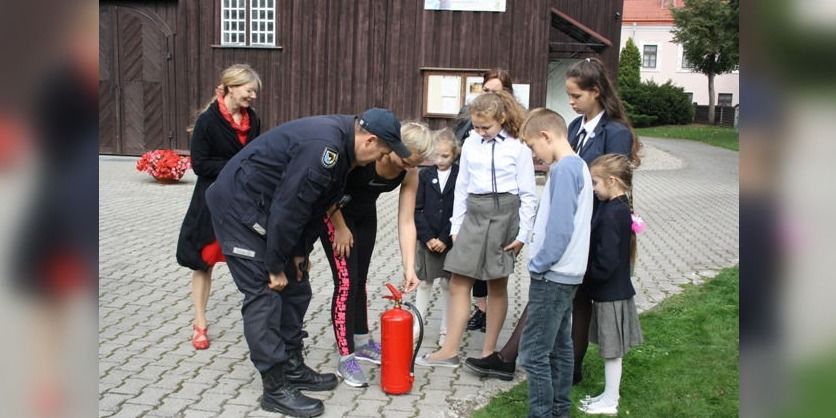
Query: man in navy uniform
[267, 206]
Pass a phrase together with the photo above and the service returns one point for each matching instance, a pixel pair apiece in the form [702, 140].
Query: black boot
[303, 377]
[281, 396]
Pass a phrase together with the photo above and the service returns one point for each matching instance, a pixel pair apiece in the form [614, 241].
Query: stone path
[687, 193]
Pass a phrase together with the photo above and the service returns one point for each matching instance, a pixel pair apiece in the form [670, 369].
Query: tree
[629, 65]
[709, 33]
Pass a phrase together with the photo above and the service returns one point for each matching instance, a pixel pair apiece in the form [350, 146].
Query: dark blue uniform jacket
[433, 206]
[269, 200]
[611, 137]
[608, 270]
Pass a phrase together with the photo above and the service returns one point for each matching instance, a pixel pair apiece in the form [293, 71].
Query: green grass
[687, 366]
[713, 135]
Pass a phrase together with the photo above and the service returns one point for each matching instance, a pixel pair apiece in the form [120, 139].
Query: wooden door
[136, 72]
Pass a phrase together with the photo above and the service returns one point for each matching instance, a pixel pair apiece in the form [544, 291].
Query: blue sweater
[560, 239]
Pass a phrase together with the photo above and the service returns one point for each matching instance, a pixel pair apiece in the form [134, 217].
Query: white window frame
[248, 23]
[263, 22]
[655, 68]
[233, 22]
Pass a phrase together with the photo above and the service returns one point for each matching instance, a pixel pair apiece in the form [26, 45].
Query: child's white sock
[612, 381]
[360, 340]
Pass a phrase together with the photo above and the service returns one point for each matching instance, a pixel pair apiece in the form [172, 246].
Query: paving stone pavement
[687, 193]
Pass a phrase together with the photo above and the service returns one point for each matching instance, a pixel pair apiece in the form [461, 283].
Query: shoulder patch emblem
[329, 157]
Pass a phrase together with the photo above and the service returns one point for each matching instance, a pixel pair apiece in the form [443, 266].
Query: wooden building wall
[602, 16]
[339, 56]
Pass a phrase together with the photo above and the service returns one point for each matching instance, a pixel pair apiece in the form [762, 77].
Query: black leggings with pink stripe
[349, 303]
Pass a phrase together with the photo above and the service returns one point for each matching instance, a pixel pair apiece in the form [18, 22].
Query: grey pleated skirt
[490, 223]
[615, 327]
[429, 265]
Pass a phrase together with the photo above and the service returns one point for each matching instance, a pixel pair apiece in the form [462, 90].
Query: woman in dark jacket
[222, 129]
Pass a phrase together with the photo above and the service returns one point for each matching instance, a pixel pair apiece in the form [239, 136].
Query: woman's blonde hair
[238, 75]
[418, 137]
[233, 76]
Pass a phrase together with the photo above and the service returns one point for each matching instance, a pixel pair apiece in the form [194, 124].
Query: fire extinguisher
[397, 370]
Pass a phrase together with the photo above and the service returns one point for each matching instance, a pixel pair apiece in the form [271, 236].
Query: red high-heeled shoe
[198, 342]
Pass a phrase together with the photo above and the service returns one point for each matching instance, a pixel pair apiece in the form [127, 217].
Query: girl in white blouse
[493, 212]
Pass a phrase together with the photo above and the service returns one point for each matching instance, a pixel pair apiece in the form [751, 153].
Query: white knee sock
[612, 381]
[360, 340]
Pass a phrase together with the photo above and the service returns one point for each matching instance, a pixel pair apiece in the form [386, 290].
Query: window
[248, 22]
[724, 99]
[690, 96]
[649, 56]
[684, 64]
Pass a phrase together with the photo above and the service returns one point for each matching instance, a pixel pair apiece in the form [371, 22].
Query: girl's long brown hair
[590, 74]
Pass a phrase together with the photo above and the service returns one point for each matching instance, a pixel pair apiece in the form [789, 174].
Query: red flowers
[164, 164]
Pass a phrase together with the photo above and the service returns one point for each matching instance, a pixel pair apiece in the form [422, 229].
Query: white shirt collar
[589, 126]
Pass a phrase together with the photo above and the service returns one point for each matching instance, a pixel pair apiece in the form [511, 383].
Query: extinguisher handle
[396, 294]
[415, 311]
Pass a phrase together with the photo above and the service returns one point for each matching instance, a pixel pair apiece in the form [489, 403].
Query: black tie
[493, 172]
[579, 144]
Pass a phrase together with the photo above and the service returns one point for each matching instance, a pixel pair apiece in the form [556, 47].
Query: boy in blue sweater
[559, 251]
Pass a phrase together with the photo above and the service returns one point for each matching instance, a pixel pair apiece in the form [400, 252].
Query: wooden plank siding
[337, 56]
[602, 16]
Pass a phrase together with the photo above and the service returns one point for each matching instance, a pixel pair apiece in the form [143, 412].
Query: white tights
[422, 301]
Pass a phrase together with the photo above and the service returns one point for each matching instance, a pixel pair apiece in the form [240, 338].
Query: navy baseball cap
[383, 124]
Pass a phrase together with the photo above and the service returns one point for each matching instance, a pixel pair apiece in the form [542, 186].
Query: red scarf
[240, 129]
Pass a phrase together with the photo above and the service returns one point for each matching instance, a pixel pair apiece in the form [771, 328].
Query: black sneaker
[477, 321]
[491, 366]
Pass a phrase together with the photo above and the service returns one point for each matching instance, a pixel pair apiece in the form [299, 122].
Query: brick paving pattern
[687, 192]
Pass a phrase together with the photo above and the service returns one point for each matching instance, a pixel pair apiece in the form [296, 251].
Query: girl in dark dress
[222, 129]
[614, 323]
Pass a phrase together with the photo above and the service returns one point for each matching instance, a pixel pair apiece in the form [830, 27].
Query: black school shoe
[477, 321]
[491, 366]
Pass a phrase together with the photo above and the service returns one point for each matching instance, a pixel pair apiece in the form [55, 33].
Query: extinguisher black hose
[414, 310]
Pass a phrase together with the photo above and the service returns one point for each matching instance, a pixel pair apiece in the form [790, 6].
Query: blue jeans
[546, 348]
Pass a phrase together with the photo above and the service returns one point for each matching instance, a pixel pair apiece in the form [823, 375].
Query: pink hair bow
[638, 224]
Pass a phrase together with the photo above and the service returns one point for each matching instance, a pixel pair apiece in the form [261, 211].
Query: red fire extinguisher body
[396, 351]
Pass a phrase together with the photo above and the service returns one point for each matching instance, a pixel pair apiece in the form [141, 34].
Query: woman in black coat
[221, 130]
